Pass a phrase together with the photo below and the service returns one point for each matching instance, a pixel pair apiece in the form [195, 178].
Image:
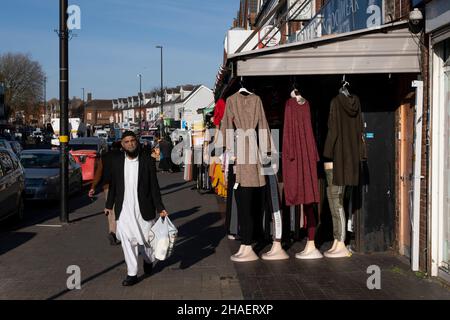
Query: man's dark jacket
[149, 195]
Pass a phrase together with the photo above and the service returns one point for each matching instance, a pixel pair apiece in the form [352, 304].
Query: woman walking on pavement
[103, 175]
[165, 147]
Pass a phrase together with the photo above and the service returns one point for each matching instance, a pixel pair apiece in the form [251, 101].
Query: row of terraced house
[181, 107]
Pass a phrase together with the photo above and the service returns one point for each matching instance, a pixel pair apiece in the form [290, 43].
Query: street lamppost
[162, 94]
[64, 103]
[140, 102]
[82, 120]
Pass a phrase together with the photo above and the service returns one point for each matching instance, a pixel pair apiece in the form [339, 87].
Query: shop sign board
[304, 14]
[269, 36]
[341, 16]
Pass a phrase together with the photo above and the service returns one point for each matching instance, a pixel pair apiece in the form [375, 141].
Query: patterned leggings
[336, 202]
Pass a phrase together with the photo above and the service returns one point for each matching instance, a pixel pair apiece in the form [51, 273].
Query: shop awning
[388, 49]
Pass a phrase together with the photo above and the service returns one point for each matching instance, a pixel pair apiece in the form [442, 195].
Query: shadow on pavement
[37, 212]
[184, 213]
[176, 190]
[56, 296]
[173, 185]
[197, 241]
[87, 217]
[12, 240]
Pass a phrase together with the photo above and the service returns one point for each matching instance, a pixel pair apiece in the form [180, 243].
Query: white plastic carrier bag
[162, 238]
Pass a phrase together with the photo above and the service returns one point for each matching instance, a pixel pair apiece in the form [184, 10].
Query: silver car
[42, 177]
[11, 185]
[6, 144]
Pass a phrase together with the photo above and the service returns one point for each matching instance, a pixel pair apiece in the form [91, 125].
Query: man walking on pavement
[134, 193]
[103, 175]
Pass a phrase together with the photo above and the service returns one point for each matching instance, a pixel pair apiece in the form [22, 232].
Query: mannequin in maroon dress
[300, 159]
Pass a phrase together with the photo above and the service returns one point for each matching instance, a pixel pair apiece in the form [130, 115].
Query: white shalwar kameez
[132, 229]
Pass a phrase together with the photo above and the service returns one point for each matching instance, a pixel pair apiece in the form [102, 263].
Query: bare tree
[76, 108]
[24, 81]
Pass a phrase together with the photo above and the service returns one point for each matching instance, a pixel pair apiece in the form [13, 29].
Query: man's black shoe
[148, 268]
[130, 281]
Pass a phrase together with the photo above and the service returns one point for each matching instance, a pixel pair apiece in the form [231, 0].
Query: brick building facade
[395, 12]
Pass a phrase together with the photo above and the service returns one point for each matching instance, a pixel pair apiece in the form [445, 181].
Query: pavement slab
[35, 255]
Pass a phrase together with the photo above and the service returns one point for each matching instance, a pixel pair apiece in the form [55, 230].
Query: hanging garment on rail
[243, 115]
[300, 155]
[345, 145]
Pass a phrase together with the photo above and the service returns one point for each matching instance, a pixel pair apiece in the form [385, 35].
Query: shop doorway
[376, 219]
[405, 147]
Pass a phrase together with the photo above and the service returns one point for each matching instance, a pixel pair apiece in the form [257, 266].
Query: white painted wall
[202, 98]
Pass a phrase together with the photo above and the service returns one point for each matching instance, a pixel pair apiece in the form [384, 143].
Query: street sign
[269, 36]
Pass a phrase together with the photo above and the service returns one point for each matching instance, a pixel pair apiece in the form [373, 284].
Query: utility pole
[64, 102]
[162, 94]
[47, 115]
[140, 103]
[82, 120]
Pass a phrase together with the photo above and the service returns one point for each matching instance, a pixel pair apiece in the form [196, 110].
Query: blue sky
[117, 41]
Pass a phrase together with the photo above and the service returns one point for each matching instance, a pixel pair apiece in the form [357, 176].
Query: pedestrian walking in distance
[103, 176]
[136, 198]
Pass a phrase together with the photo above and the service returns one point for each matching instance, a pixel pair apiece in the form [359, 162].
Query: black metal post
[47, 116]
[82, 110]
[162, 95]
[140, 103]
[64, 107]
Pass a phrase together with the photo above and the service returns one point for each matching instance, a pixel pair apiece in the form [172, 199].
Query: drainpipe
[417, 174]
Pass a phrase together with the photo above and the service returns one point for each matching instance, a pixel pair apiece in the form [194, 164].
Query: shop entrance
[370, 208]
[376, 219]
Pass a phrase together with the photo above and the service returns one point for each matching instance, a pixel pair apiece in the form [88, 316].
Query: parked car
[12, 185]
[103, 134]
[87, 152]
[42, 174]
[38, 134]
[17, 147]
[6, 144]
[89, 143]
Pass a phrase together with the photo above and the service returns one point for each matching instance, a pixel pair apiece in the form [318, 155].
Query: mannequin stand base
[276, 253]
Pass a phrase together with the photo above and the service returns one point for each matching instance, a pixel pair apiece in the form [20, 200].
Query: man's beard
[132, 154]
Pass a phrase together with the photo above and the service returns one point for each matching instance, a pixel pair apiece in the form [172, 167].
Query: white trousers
[131, 252]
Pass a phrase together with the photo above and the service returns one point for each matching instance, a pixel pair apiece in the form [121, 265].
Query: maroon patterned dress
[300, 155]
